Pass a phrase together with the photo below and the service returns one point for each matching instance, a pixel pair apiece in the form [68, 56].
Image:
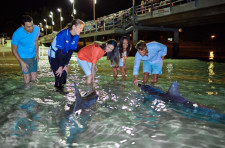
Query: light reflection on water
[35, 115]
[211, 55]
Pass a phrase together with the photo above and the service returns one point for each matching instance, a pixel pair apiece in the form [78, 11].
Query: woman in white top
[124, 49]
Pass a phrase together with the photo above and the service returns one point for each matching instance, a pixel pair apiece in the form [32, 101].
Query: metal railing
[123, 18]
[118, 19]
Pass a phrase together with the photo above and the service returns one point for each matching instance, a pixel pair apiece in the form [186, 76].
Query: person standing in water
[152, 54]
[124, 49]
[61, 50]
[25, 48]
[88, 56]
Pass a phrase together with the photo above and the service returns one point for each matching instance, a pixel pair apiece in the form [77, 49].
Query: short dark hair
[141, 45]
[75, 22]
[26, 18]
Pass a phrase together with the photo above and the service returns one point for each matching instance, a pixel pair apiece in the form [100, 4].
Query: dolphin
[177, 101]
[83, 102]
[76, 118]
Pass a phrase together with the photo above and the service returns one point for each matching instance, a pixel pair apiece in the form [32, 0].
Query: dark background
[11, 12]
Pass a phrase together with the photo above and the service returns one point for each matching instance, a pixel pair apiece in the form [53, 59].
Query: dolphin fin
[78, 101]
[77, 92]
[174, 89]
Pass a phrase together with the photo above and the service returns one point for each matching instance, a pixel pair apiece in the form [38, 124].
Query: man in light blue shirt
[152, 54]
[25, 48]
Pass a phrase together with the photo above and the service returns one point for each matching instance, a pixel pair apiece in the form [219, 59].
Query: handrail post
[152, 8]
[171, 5]
[195, 3]
[133, 14]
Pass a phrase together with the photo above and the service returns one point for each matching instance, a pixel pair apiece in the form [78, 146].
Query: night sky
[11, 11]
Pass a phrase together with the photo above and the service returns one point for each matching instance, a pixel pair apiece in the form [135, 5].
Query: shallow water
[35, 115]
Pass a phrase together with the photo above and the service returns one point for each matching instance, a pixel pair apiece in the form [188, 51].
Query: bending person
[61, 50]
[124, 49]
[88, 56]
[152, 54]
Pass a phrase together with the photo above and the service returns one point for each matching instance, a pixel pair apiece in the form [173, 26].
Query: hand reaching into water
[135, 82]
[94, 85]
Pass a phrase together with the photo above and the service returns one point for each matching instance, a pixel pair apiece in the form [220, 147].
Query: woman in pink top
[89, 55]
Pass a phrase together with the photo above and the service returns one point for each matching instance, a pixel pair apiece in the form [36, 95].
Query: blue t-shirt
[25, 42]
[155, 52]
[64, 41]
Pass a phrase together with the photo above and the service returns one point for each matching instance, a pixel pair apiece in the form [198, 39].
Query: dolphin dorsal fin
[174, 89]
[78, 99]
[77, 92]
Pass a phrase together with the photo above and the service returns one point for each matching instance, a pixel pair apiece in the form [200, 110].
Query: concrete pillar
[175, 45]
[95, 38]
[135, 36]
[84, 42]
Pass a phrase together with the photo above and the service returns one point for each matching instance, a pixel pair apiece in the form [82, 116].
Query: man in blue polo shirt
[152, 54]
[25, 48]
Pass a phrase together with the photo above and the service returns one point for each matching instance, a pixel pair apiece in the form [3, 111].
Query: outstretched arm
[137, 63]
[37, 50]
[93, 73]
[135, 79]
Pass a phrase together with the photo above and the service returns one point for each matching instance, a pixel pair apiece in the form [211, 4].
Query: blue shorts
[86, 66]
[153, 67]
[32, 63]
[121, 64]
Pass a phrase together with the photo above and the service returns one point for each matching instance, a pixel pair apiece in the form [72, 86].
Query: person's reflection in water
[72, 125]
[25, 123]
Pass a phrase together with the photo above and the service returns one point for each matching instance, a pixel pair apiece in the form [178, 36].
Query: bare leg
[123, 71]
[154, 79]
[26, 78]
[34, 76]
[89, 88]
[89, 78]
[115, 72]
[145, 78]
